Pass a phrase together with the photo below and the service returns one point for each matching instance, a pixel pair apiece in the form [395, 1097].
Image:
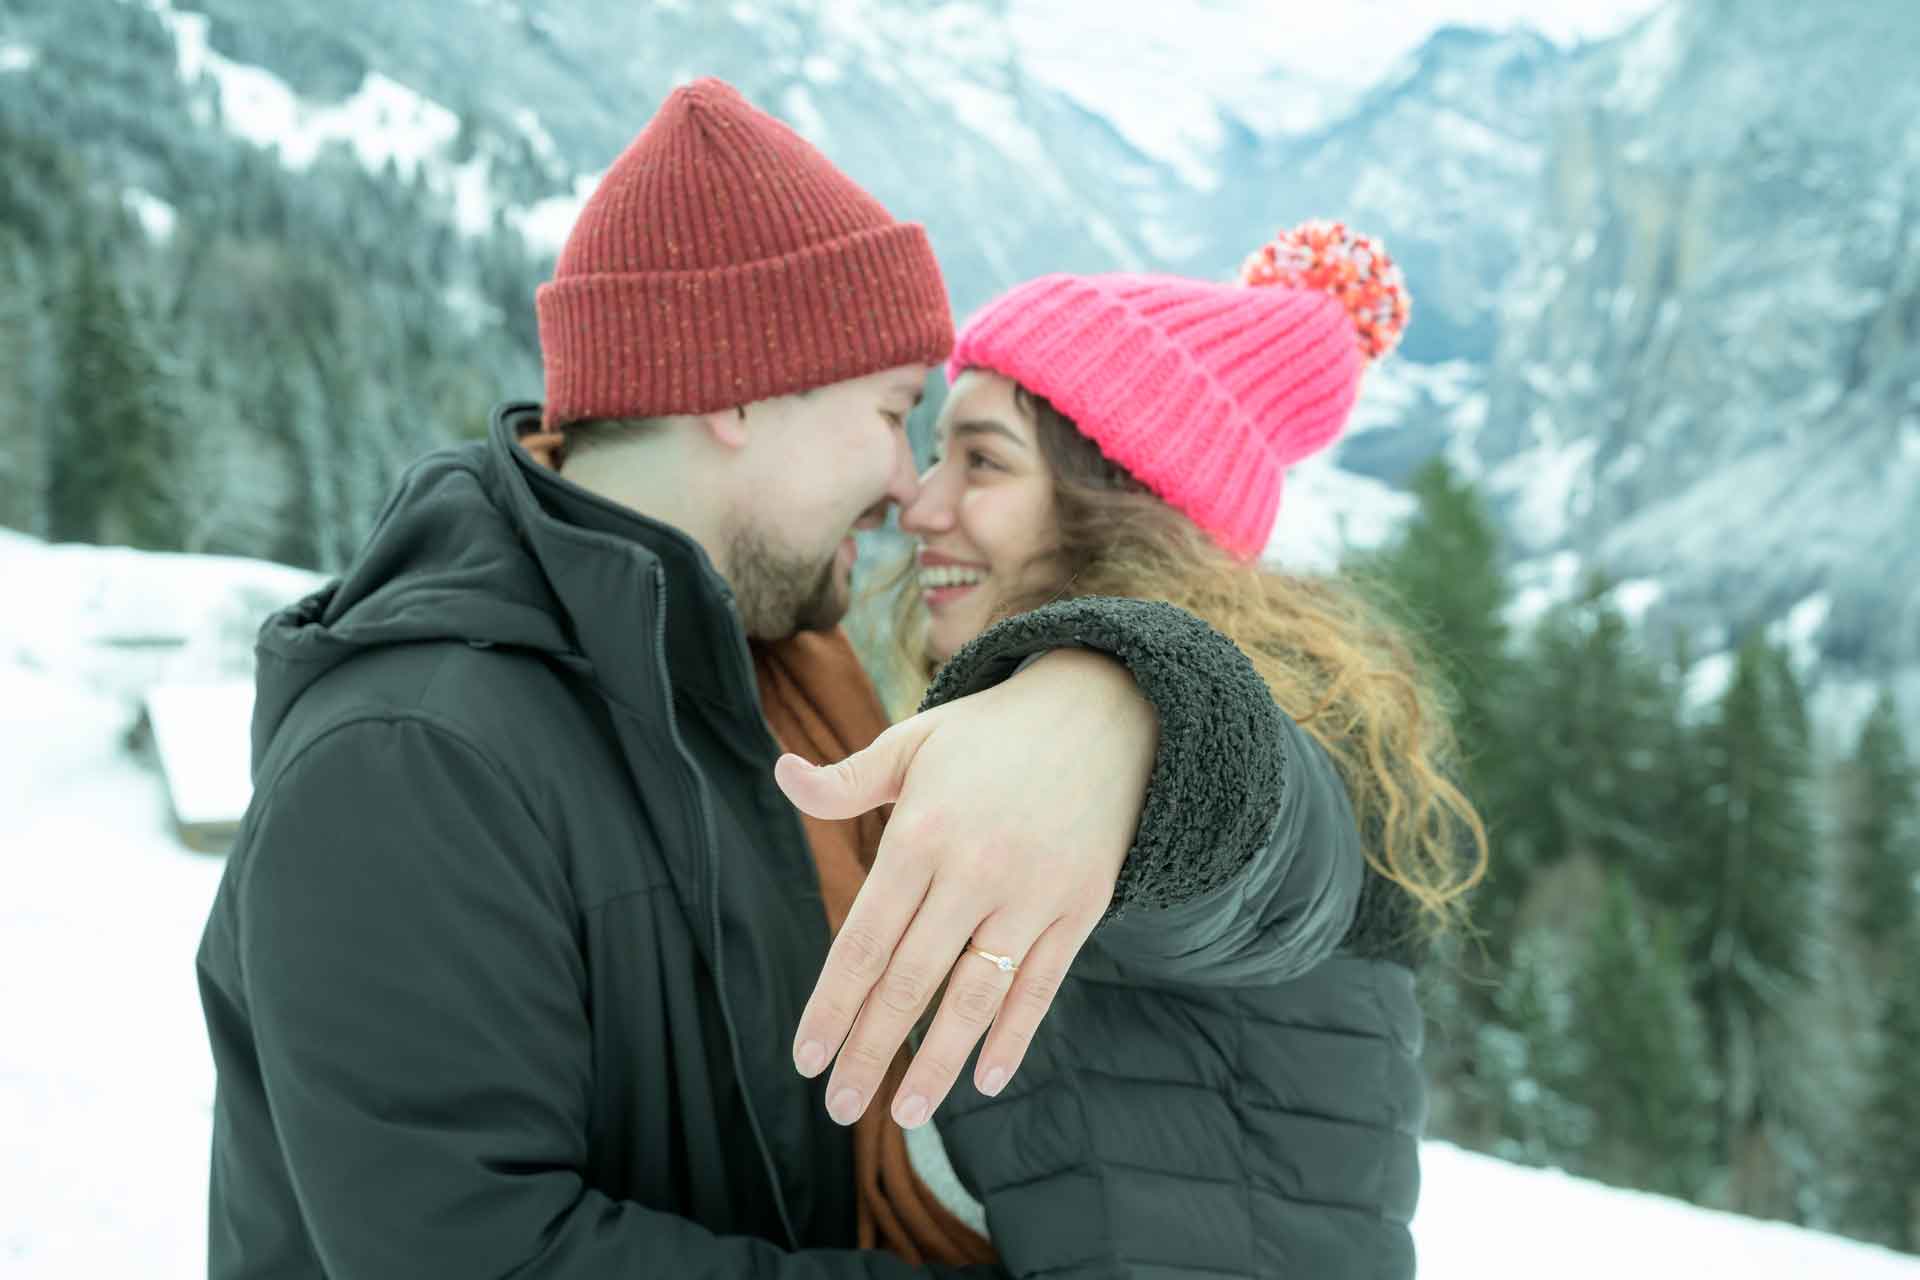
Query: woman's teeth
[948, 575]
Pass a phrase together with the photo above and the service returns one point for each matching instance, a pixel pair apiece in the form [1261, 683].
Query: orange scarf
[822, 707]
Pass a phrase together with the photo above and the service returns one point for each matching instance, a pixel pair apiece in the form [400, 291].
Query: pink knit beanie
[1205, 392]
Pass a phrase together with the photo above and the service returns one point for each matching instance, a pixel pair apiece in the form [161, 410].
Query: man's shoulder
[512, 708]
[404, 724]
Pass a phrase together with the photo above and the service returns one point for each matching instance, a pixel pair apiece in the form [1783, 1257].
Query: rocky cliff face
[1443, 159]
[1708, 371]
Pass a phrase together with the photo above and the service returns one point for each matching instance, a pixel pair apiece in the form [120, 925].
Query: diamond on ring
[1004, 963]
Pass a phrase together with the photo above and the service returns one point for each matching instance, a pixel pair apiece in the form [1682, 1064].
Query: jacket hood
[447, 560]
[482, 545]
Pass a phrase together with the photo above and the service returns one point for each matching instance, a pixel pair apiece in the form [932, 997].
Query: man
[513, 968]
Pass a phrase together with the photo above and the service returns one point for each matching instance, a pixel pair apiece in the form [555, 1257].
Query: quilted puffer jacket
[1227, 1085]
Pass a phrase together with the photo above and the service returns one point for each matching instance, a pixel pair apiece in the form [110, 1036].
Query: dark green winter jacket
[504, 970]
[1228, 1083]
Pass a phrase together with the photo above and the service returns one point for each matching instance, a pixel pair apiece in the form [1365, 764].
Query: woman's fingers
[976, 997]
[859, 961]
[896, 1000]
[1027, 1003]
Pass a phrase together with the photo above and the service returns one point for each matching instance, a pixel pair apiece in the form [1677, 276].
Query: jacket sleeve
[1281, 915]
[410, 964]
[1246, 866]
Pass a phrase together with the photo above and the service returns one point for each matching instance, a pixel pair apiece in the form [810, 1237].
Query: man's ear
[726, 427]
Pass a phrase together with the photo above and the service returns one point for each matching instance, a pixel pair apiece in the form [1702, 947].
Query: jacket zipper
[713, 907]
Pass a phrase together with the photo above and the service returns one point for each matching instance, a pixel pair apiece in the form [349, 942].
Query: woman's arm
[1279, 916]
[1246, 865]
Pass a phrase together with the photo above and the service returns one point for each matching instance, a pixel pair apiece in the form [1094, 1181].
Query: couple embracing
[589, 918]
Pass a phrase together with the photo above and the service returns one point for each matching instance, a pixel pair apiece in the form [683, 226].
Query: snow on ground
[105, 1080]
[202, 736]
[1484, 1219]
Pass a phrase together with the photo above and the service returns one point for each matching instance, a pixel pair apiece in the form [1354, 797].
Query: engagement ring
[1005, 963]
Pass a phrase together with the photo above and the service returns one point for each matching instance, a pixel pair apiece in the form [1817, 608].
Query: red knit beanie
[723, 260]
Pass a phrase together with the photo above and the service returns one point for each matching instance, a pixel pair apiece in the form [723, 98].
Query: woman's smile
[944, 579]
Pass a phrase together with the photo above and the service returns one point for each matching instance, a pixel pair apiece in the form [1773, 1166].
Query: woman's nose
[931, 510]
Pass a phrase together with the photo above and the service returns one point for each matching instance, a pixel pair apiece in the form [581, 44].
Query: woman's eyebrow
[986, 426]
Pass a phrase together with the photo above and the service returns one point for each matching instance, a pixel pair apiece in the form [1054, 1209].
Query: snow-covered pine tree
[1881, 838]
[1645, 1071]
[1886, 1204]
[114, 465]
[1526, 1057]
[1592, 724]
[25, 379]
[1441, 578]
[1883, 831]
[1752, 862]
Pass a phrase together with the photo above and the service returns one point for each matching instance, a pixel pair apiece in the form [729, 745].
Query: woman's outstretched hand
[1014, 809]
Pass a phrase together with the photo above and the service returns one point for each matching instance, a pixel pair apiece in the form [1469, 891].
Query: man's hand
[1013, 812]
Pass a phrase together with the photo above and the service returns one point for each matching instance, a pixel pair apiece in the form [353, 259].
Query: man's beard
[779, 593]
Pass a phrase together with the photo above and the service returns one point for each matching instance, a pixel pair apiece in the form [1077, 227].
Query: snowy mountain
[1212, 65]
[1443, 158]
[1707, 371]
[1023, 142]
[105, 1079]
[385, 81]
[1664, 311]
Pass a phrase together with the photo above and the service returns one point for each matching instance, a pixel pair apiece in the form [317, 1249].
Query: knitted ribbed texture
[1205, 392]
[723, 260]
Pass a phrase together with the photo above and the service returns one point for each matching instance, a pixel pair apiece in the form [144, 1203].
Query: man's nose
[903, 486]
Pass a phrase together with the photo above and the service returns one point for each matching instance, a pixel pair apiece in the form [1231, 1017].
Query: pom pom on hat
[1354, 270]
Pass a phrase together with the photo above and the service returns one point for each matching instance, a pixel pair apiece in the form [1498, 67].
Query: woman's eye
[897, 421]
[974, 458]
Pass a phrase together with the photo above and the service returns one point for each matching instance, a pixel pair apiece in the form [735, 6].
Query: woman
[1227, 1086]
